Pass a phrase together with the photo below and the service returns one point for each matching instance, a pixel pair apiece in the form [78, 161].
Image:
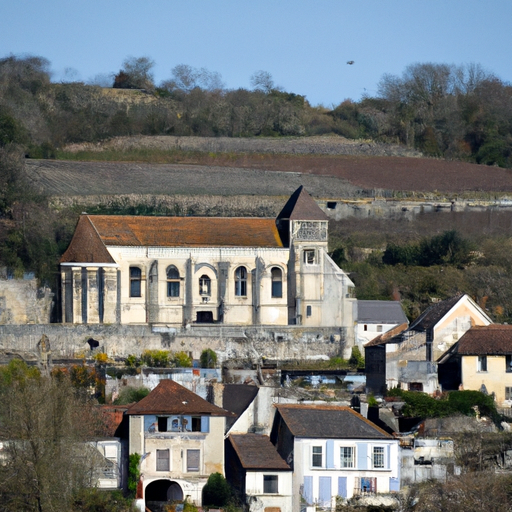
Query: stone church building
[183, 271]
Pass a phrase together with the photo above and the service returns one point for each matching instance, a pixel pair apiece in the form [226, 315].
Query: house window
[270, 484]
[193, 460]
[173, 282]
[308, 311]
[365, 486]
[162, 460]
[365, 328]
[347, 457]
[378, 457]
[508, 393]
[379, 328]
[277, 282]
[316, 461]
[162, 423]
[508, 363]
[135, 281]
[241, 282]
[309, 256]
[482, 364]
[205, 286]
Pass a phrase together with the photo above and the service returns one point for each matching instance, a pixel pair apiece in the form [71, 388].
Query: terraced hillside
[327, 166]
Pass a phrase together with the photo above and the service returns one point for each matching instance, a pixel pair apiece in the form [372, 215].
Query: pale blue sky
[304, 44]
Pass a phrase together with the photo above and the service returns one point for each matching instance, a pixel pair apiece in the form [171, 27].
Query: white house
[334, 451]
[258, 473]
[375, 317]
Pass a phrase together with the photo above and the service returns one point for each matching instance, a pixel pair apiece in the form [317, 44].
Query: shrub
[133, 473]
[208, 358]
[129, 395]
[356, 358]
[132, 361]
[216, 492]
[182, 360]
[156, 358]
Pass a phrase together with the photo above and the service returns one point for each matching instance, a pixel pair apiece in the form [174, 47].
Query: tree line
[456, 112]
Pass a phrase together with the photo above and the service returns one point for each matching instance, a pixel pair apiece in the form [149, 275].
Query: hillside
[329, 167]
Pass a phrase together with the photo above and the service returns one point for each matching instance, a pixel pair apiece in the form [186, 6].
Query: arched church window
[173, 282]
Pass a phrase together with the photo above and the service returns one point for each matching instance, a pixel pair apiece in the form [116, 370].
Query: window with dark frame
[309, 311]
[162, 460]
[482, 364]
[173, 282]
[508, 393]
[135, 281]
[205, 286]
[193, 458]
[162, 423]
[277, 282]
[241, 282]
[309, 256]
[270, 484]
[316, 460]
[508, 363]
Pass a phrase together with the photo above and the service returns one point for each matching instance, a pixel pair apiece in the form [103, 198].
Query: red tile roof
[494, 339]
[96, 232]
[169, 397]
[257, 452]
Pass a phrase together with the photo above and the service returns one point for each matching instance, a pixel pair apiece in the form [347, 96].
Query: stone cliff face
[22, 301]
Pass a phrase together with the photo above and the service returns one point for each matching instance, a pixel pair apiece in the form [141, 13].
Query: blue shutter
[324, 491]
[342, 486]
[205, 424]
[329, 454]
[362, 455]
[394, 484]
[307, 493]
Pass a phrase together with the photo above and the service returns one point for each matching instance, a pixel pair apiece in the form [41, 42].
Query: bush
[216, 492]
[133, 473]
[129, 395]
[208, 358]
[156, 358]
[182, 360]
[356, 359]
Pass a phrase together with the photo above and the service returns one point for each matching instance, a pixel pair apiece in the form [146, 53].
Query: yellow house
[180, 438]
[481, 361]
[180, 271]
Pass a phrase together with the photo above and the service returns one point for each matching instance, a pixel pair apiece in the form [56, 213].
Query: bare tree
[262, 81]
[136, 73]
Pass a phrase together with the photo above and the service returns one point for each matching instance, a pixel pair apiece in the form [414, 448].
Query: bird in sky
[350, 62]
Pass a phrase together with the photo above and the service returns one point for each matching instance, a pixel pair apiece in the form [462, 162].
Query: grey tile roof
[328, 422]
[429, 318]
[380, 312]
[301, 206]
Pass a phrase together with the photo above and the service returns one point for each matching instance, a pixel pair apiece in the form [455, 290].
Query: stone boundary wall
[118, 341]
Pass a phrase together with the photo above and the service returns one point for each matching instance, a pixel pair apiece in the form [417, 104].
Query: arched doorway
[161, 492]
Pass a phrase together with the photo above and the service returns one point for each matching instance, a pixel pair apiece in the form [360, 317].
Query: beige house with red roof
[481, 361]
[180, 437]
[180, 271]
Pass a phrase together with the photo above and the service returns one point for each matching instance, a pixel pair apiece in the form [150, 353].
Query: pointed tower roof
[86, 245]
[301, 206]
